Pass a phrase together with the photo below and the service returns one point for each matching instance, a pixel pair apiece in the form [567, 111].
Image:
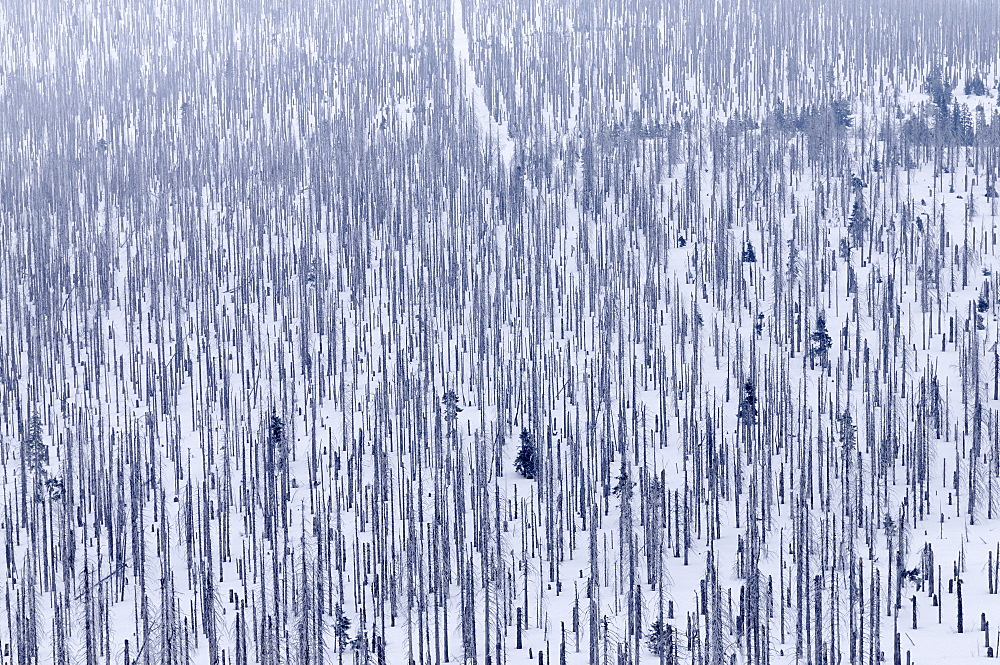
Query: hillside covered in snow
[481, 331]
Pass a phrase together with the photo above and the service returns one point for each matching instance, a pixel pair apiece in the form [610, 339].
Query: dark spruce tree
[278, 442]
[858, 220]
[747, 412]
[526, 463]
[661, 641]
[821, 340]
[975, 86]
[938, 89]
[36, 453]
[341, 624]
[842, 113]
[624, 482]
[450, 401]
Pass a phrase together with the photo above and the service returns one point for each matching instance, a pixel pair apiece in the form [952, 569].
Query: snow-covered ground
[286, 293]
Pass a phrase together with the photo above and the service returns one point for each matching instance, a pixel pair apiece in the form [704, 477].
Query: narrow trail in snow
[491, 128]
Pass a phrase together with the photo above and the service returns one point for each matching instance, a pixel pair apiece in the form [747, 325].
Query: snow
[317, 239]
[493, 130]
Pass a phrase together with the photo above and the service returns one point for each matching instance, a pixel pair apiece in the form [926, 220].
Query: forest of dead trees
[493, 332]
